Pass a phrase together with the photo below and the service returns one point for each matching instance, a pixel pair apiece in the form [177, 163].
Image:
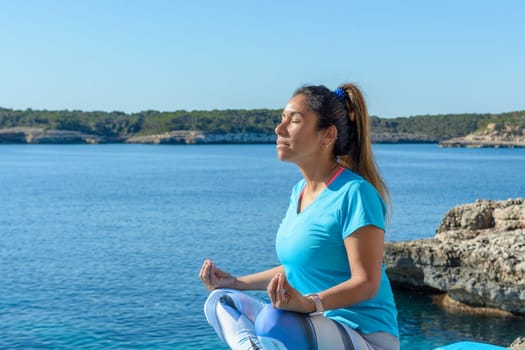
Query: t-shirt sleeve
[363, 206]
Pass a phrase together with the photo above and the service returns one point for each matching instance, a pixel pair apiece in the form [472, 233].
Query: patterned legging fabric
[246, 322]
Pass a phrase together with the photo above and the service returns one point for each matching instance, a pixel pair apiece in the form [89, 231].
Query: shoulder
[351, 182]
[355, 190]
[360, 204]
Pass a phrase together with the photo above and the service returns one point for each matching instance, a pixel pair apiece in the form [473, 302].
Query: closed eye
[295, 117]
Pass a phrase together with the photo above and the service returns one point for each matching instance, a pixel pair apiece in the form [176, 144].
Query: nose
[280, 129]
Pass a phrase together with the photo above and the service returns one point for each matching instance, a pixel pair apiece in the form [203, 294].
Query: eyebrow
[292, 113]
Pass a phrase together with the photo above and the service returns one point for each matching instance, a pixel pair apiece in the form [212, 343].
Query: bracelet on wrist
[319, 309]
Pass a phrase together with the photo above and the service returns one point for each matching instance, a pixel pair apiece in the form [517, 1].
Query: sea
[101, 245]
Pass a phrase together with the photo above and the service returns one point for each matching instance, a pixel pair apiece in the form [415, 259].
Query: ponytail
[358, 156]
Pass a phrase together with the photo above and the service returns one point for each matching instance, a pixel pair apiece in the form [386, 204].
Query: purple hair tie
[341, 94]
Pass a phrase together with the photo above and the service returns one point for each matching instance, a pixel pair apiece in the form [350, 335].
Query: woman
[331, 290]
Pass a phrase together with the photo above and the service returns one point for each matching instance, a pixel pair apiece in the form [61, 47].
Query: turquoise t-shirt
[311, 249]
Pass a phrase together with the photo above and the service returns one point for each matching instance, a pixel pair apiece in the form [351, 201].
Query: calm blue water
[100, 245]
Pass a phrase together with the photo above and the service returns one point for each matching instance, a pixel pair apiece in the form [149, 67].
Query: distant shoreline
[236, 126]
[23, 135]
[493, 135]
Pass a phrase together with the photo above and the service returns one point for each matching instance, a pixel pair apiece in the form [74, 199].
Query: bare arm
[257, 281]
[213, 277]
[365, 255]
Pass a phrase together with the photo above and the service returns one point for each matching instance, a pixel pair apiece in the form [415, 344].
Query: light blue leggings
[245, 322]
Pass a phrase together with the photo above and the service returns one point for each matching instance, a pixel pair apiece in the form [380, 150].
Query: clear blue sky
[409, 57]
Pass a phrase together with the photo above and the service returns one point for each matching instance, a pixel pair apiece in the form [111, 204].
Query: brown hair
[353, 146]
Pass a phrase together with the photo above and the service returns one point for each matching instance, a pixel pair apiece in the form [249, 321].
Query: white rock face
[477, 256]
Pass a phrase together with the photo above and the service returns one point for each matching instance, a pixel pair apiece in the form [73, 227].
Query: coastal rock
[13, 135]
[199, 137]
[23, 135]
[172, 137]
[402, 137]
[518, 344]
[42, 136]
[477, 256]
[494, 135]
[240, 138]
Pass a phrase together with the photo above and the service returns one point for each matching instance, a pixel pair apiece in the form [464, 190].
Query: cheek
[302, 131]
[308, 136]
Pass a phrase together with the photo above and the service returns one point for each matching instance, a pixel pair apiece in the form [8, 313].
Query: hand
[213, 277]
[285, 297]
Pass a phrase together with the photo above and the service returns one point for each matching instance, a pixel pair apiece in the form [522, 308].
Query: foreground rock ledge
[477, 257]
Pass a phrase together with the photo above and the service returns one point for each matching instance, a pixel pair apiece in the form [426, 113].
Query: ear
[329, 135]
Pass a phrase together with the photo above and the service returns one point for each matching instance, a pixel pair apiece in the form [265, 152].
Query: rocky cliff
[199, 137]
[477, 257]
[41, 136]
[402, 137]
[494, 135]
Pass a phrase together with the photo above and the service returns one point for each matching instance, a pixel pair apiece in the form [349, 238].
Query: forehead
[296, 104]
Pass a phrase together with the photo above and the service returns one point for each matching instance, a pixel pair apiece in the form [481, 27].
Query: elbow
[373, 289]
[370, 289]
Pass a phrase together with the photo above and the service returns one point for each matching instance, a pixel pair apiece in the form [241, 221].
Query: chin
[281, 156]
[284, 158]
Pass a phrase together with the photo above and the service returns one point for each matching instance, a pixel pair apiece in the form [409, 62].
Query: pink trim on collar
[335, 176]
[332, 179]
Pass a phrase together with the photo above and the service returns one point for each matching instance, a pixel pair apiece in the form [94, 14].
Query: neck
[317, 179]
[318, 175]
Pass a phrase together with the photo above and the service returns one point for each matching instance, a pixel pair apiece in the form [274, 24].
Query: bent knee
[290, 328]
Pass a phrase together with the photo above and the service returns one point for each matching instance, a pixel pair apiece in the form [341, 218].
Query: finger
[285, 283]
[213, 274]
[271, 289]
[282, 285]
[202, 268]
[203, 271]
[206, 276]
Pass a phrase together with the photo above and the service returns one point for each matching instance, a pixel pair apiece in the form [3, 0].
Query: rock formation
[40, 135]
[22, 135]
[199, 137]
[518, 344]
[494, 135]
[477, 257]
[402, 137]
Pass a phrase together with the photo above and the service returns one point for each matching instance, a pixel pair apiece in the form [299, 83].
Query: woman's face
[298, 138]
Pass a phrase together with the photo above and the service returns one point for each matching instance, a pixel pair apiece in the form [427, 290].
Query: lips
[282, 143]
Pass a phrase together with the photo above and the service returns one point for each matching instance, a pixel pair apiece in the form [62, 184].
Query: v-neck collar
[328, 183]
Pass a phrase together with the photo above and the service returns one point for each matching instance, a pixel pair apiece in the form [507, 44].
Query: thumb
[285, 284]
